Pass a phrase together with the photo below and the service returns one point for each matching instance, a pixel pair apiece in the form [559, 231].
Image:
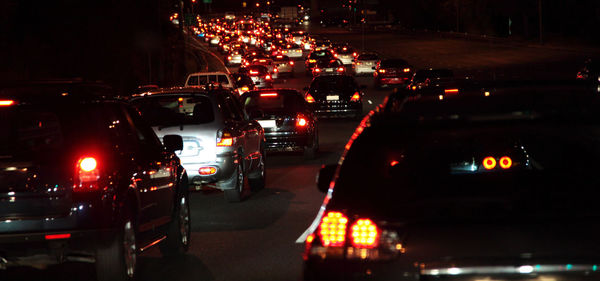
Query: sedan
[364, 63]
[392, 72]
[335, 96]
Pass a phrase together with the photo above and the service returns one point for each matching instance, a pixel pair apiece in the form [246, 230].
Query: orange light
[268, 94]
[268, 77]
[341, 69]
[291, 62]
[364, 234]
[381, 71]
[489, 163]
[317, 70]
[354, 54]
[275, 70]
[451, 91]
[207, 171]
[505, 162]
[414, 87]
[310, 238]
[309, 98]
[6, 102]
[332, 229]
[406, 69]
[355, 97]
[88, 164]
[57, 236]
[225, 142]
[253, 72]
[394, 163]
[301, 121]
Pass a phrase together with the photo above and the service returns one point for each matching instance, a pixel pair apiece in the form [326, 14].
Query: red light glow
[332, 229]
[57, 236]
[505, 162]
[268, 95]
[489, 163]
[364, 234]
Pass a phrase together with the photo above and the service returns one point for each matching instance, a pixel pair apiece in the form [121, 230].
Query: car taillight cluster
[364, 233]
[225, 139]
[310, 98]
[355, 97]
[490, 162]
[301, 121]
[87, 174]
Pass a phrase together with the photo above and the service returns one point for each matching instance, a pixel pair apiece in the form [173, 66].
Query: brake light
[335, 55]
[268, 77]
[7, 102]
[301, 121]
[317, 70]
[355, 97]
[268, 95]
[406, 70]
[489, 163]
[57, 236]
[451, 91]
[332, 229]
[312, 60]
[87, 174]
[225, 139]
[291, 62]
[505, 162]
[309, 98]
[364, 234]
[354, 54]
[341, 69]
[229, 57]
[207, 171]
[381, 71]
[253, 72]
[275, 70]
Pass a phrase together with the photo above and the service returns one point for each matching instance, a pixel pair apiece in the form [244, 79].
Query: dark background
[131, 42]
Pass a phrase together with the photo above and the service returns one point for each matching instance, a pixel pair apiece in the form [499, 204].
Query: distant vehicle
[392, 72]
[243, 82]
[292, 50]
[457, 181]
[346, 54]
[313, 57]
[427, 78]
[229, 15]
[364, 63]
[284, 65]
[287, 119]
[335, 96]
[210, 78]
[297, 37]
[268, 63]
[329, 67]
[76, 181]
[220, 145]
[259, 74]
[234, 58]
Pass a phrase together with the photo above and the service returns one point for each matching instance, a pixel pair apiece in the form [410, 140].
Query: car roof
[210, 73]
[181, 91]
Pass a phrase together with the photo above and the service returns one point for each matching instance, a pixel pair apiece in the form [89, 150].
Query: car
[234, 57]
[328, 67]
[251, 55]
[346, 54]
[426, 78]
[293, 51]
[84, 178]
[243, 82]
[335, 96]
[364, 63]
[221, 146]
[297, 37]
[392, 72]
[458, 189]
[590, 74]
[259, 74]
[313, 57]
[268, 63]
[284, 65]
[288, 121]
[321, 45]
[217, 78]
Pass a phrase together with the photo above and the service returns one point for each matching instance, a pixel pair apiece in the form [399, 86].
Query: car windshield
[173, 110]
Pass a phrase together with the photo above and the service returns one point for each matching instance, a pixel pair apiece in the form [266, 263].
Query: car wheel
[118, 261]
[235, 194]
[310, 152]
[179, 233]
[259, 178]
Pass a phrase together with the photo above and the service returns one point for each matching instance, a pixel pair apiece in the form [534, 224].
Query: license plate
[328, 70]
[333, 97]
[267, 123]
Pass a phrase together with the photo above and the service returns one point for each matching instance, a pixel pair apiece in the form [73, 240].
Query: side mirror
[173, 142]
[325, 177]
[363, 87]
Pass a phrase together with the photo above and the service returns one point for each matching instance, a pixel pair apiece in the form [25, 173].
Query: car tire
[118, 260]
[235, 194]
[179, 233]
[258, 180]
[310, 152]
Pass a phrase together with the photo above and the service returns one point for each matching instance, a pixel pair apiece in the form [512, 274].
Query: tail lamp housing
[87, 174]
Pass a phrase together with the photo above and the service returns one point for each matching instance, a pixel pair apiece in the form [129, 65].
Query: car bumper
[338, 110]
[392, 80]
[286, 141]
[224, 164]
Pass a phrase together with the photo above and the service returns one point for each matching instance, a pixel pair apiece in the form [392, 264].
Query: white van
[214, 78]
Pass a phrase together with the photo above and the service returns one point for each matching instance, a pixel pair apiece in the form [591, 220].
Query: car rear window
[325, 84]
[276, 101]
[393, 63]
[368, 57]
[175, 110]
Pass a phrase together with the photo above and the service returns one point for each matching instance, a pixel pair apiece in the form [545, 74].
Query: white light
[525, 269]
[11, 193]
[454, 271]
[435, 272]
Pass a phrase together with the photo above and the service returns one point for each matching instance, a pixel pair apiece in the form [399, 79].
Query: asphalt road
[256, 239]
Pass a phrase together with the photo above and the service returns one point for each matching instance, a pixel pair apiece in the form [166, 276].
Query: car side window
[235, 108]
[226, 111]
[146, 138]
[193, 80]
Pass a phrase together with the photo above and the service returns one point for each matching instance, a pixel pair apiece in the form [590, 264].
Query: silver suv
[221, 145]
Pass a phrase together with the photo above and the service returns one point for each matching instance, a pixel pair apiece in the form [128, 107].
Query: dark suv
[84, 178]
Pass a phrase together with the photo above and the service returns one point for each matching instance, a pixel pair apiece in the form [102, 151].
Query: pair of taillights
[333, 231]
[355, 98]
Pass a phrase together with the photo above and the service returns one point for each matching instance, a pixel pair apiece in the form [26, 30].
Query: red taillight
[406, 70]
[354, 54]
[340, 69]
[505, 162]
[226, 139]
[451, 91]
[7, 102]
[229, 57]
[364, 234]
[489, 163]
[355, 97]
[252, 72]
[87, 174]
[291, 62]
[332, 229]
[207, 171]
[301, 121]
[317, 70]
[309, 98]
[57, 236]
[268, 77]
[268, 95]
[381, 71]
[275, 70]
